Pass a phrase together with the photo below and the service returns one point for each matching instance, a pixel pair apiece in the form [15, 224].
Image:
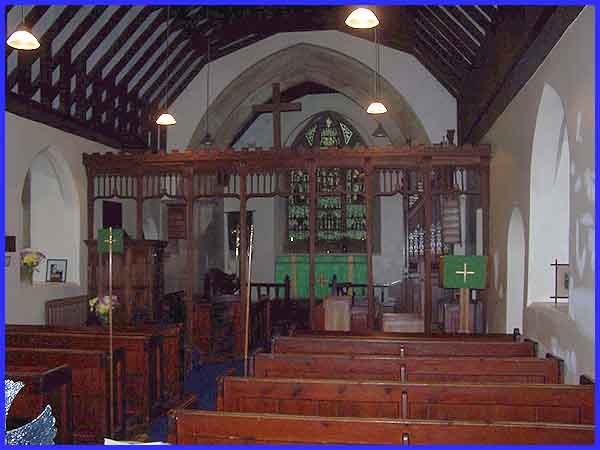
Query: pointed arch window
[341, 217]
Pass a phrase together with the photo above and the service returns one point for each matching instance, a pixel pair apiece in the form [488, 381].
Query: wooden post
[243, 252]
[312, 219]
[464, 315]
[485, 209]
[188, 179]
[90, 203]
[139, 229]
[426, 171]
[370, 293]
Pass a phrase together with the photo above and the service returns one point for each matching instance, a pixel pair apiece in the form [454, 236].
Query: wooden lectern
[338, 313]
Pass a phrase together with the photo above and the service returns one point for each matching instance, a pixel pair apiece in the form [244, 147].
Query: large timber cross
[276, 107]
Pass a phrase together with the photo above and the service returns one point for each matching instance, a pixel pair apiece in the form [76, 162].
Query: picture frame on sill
[56, 271]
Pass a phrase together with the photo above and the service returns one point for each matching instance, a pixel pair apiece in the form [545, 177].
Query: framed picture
[56, 270]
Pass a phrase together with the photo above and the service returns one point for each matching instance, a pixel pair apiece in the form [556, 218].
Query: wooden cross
[276, 107]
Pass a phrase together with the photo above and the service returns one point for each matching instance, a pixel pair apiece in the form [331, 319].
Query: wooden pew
[190, 427]
[167, 346]
[402, 347]
[90, 389]
[440, 401]
[44, 385]
[376, 334]
[142, 387]
[409, 369]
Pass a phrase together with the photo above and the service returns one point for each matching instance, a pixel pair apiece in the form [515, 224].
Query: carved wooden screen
[341, 207]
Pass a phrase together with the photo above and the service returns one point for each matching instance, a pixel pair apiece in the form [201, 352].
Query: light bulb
[362, 18]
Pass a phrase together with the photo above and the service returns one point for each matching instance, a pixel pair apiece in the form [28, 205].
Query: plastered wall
[569, 70]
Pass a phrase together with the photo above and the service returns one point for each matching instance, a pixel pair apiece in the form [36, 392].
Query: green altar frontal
[347, 268]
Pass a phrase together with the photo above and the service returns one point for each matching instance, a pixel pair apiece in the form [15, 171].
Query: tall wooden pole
[370, 210]
[248, 300]
[139, 198]
[312, 226]
[90, 205]
[189, 282]
[110, 333]
[427, 257]
[243, 251]
[485, 209]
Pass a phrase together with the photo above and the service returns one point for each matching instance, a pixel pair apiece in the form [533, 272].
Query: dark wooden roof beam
[478, 17]
[451, 30]
[461, 19]
[451, 42]
[442, 48]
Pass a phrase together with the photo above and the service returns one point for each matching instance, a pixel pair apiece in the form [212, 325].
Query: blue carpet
[202, 381]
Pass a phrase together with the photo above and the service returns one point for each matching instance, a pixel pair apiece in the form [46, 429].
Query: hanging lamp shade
[379, 131]
[376, 107]
[362, 18]
[166, 119]
[23, 39]
[207, 140]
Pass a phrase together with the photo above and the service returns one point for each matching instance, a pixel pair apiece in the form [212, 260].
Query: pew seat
[409, 369]
[192, 427]
[421, 401]
[44, 385]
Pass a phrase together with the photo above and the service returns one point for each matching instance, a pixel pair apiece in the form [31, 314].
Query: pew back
[348, 398]
[142, 388]
[44, 385]
[209, 427]
[90, 388]
[409, 369]
[402, 347]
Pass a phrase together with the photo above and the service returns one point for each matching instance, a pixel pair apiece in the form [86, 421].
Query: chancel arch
[297, 64]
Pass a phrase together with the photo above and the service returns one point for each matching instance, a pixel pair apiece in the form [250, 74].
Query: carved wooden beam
[35, 111]
[523, 38]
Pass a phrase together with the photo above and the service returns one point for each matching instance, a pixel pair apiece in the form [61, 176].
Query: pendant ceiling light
[379, 131]
[22, 38]
[376, 106]
[207, 141]
[165, 118]
[362, 18]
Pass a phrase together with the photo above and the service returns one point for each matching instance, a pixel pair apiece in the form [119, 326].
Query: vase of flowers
[30, 261]
[101, 306]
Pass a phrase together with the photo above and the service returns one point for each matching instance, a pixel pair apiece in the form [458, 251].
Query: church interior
[300, 224]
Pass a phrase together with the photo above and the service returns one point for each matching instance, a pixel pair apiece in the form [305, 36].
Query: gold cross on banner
[464, 273]
[110, 240]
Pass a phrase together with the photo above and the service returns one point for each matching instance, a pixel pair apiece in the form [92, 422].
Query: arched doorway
[515, 272]
[549, 196]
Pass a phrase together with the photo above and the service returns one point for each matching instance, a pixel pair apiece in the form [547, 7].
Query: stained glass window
[341, 217]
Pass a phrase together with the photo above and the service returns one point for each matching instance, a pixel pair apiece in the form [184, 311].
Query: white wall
[569, 70]
[434, 106]
[24, 139]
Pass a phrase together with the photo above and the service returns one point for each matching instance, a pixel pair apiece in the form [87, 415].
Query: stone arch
[515, 272]
[54, 211]
[549, 191]
[300, 63]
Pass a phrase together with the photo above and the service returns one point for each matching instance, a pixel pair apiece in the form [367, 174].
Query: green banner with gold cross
[117, 240]
[464, 272]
